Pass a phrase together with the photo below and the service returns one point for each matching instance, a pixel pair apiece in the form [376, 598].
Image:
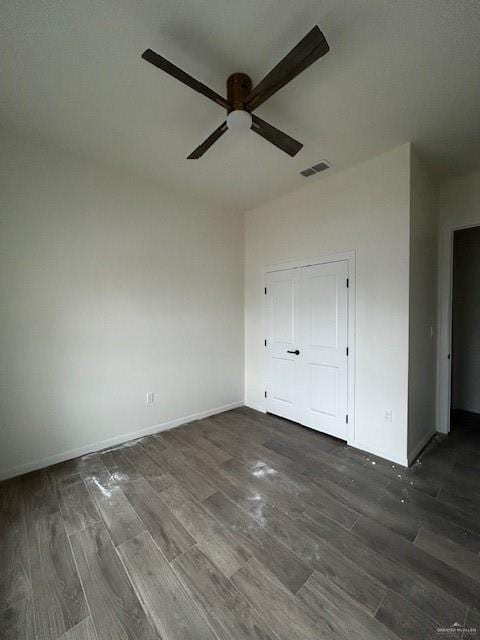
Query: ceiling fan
[242, 99]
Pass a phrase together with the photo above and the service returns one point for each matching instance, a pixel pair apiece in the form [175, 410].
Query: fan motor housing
[239, 86]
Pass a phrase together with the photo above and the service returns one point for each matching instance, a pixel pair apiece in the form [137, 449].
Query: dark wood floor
[243, 526]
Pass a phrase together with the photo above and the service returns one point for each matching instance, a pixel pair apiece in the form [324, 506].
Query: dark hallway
[465, 396]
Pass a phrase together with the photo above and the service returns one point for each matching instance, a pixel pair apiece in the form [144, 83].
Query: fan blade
[275, 136]
[311, 48]
[206, 144]
[167, 66]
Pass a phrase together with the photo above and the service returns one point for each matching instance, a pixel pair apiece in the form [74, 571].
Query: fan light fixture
[242, 99]
[239, 120]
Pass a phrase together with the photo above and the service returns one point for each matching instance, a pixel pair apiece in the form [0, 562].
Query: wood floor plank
[310, 438]
[280, 472]
[229, 444]
[435, 458]
[159, 436]
[189, 477]
[115, 609]
[15, 583]
[460, 498]
[397, 507]
[216, 453]
[117, 464]
[40, 493]
[148, 465]
[281, 610]
[58, 599]
[119, 516]
[321, 467]
[325, 505]
[241, 428]
[185, 475]
[267, 424]
[290, 570]
[228, 611]
[76, 504]
[472, 623]
[311, 457]
[64, 469]
[136, 464]
[462, 438]
[258, 454]
[292, 431]
[16, 621]
[196, 459]
[390, 572]
[247, 452]
[406, 620]
[260, 482]
[315, 537]
[213, 538]
[83, 631]
[424, 518]
[390, 470]
[167, 531]
[370, 501]
[91, 465]
[153, 446]
[169, 438]
[114, 508]
[454, 524]
[204, 465]
[470, 458]
[165, 600]
[160, 483]
[390, 544]
[449, 552]
[464, 475]
[309, 496]
[101, 484]
[324, 558]
[248, 487]
[324, 599]
[294, 486]
[243, 494]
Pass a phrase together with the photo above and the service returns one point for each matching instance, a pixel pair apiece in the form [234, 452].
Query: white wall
[110, 287]
[365, 209]
[423, 307]
[459, 206]
[466, 321]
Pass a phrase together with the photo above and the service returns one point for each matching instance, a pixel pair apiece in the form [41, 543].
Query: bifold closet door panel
[283, 365]
[323, 336]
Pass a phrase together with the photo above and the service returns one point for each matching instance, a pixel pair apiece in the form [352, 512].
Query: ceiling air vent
[323, 165]
[307, 172]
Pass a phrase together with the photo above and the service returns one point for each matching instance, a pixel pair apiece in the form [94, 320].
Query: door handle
[296, 352]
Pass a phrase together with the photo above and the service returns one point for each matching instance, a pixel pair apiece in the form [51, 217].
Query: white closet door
[323, 349]
[284, 388]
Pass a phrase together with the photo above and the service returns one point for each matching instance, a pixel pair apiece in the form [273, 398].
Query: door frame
[444, 363]
[349, 257]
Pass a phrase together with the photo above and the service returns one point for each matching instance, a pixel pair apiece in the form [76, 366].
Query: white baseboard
[120, 439]
[421, 444]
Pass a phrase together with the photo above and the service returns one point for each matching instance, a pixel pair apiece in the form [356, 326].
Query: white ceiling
[398, 70]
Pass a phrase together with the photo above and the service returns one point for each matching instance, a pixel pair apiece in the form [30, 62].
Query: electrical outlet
[388, 415]
[150, 397]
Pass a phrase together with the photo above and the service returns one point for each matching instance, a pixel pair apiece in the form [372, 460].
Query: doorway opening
[465, 340]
